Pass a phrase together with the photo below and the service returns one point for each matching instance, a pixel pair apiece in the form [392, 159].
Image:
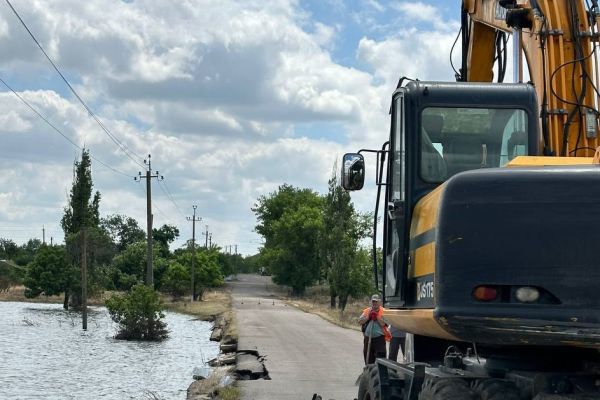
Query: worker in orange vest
[375, 331]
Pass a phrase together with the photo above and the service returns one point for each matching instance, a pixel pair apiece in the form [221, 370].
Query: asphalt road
[304, 353]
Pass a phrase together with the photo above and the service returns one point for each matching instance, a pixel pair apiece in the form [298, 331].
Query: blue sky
[231, 98]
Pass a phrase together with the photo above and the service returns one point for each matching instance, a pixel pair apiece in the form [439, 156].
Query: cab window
[454, 140]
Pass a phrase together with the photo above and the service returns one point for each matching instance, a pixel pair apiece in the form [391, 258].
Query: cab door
[395, 259]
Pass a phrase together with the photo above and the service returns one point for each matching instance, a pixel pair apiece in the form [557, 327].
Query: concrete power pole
[206, 237]
[149, 217]
[194, 220]
[235, 260]
[84, 279]
[43, 234]
[210, 241]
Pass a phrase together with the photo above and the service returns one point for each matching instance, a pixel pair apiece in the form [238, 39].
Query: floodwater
[44, 353]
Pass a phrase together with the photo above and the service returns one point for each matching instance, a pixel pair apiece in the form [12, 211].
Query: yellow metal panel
[419, 322]
[481, 53]
[424, 260]
[531, 161]
[426, 211]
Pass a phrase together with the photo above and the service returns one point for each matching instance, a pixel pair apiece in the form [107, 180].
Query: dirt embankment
[216, 382]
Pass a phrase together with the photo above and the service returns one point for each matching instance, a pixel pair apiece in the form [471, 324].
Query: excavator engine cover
[517, 259]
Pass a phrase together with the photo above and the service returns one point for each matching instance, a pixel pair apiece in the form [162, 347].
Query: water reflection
[44, 353]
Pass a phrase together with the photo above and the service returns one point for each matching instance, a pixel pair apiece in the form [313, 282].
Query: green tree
[290, 221]
[164, 236]
[81, 213]
[343, 228]
[83, 209]
[50, 273]
[8, 249]
[176, 280]
[123, 230]
[226, 263]
[27, 251]
[206, 267]
[129, 266]
[139, 314]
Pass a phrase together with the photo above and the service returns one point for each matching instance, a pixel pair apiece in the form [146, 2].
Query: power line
[119, 144]
[168, 218]
[167, 193]
[58, 130]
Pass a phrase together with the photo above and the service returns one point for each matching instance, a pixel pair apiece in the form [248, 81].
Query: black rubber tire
[580, 396]
[446, 389]
[496, 389]
[369, 388]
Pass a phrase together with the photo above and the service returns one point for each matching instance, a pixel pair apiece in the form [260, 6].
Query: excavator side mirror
[353, 171]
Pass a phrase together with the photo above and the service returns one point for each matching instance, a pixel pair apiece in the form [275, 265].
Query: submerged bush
[139, 314]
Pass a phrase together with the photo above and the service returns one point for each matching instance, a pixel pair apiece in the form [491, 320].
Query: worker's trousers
[377, 349]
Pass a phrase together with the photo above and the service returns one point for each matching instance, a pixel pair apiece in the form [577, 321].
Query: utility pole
[206, 237]
[235, 260]
[194, 220]
[149, 216]
[210, 241]
[43, 234]
[84, 279]
[51, 239]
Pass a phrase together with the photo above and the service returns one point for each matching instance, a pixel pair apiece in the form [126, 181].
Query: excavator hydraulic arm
[559, 39]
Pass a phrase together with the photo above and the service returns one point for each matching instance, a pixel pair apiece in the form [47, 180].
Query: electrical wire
[465, 24]
[58, 130]
[119, 144]
[579, 58]
[578, 55]
[155, 205]
[167, 192]
[544, 111]
[582, 148]
[501, 56]
[456, 73]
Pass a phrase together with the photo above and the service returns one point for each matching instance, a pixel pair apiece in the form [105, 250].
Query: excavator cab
[477, 259]
[439, 130]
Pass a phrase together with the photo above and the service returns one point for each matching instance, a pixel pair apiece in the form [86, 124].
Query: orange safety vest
[386, 332]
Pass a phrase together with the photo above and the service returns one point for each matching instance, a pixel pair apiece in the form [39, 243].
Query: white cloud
[12, 122]
[422, 12]
[216, 91]
[412, 53]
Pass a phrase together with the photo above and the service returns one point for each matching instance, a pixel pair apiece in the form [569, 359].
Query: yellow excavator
[492, 214]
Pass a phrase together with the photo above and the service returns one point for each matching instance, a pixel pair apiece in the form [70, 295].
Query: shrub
[139, 314]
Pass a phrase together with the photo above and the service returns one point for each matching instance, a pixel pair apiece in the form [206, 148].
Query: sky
[231, 98]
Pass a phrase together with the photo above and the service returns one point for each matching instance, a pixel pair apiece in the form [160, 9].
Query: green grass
[229, 393]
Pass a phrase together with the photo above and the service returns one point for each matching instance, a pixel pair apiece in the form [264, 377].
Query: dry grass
[215, 304]
[211, 386]
[316, 301]
[16, 293]
[229, 393]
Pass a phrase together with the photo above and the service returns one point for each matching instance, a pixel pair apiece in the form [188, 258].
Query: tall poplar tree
[343, 228]
[81, 213]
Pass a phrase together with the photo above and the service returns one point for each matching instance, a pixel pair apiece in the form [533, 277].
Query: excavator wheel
[369, 389]
[496, 389]
[446, 389]
[579, 396]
